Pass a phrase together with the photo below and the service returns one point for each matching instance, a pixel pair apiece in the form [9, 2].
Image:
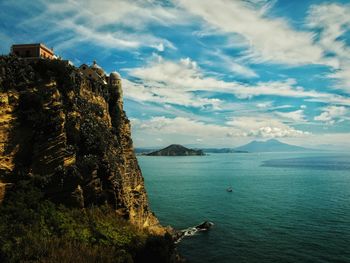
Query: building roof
[41, 45]
[115, 75]
[97, 68]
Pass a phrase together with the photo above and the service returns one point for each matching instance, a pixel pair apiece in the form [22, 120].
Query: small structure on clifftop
[95, 72]
[114, 78]
[115, 81]
[37, 50]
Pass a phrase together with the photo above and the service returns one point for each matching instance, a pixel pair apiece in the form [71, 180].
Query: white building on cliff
[96, 72]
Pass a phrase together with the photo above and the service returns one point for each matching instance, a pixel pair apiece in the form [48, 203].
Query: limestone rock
[70, 134]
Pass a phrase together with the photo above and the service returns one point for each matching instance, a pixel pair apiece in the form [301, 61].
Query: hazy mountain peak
[271, 145]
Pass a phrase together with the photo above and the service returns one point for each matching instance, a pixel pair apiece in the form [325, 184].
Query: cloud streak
[113, 24]
[333, 22]
[164, 81]
[269, 39]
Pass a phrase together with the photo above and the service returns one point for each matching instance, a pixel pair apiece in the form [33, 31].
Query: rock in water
[205, 225]
[70, 134]
[191, 231]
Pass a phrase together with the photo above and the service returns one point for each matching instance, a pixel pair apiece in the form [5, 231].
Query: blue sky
[208, 73]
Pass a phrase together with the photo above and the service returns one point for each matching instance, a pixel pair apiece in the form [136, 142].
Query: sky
[208, 73]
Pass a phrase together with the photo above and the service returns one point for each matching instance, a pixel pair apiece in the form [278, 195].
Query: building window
[27, 53]
[84, 67]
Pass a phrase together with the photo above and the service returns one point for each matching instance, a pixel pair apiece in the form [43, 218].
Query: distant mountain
[176, 150]
[272, 145]
[222, 150]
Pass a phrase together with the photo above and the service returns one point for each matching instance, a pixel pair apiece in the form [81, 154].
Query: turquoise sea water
[292, 210]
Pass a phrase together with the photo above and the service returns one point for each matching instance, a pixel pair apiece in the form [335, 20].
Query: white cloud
[166, 95]
[270, 39]
[118, 24]
[184, 74]
[135, 14]
[264, 126]
[264, 105]
[333, 21]
[343, 77]
[295, 116]
[236, 128]
[332, 114]
[180, 126]
[235, 66]
[108, 39]
[286, 88]
[240, 69]
[330, 99]
[235, 133]
[179, 130]
[159, 47]
[165, 81]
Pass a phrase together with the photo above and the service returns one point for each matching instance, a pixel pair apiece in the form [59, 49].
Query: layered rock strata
[71, 135]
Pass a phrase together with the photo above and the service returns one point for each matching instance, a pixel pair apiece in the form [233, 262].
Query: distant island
[176, 150]
[222, 150]
[271, 145]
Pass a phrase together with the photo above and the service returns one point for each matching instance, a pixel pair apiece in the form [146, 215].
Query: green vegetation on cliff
[33, 229]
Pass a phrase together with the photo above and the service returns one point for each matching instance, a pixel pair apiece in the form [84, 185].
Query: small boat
[229, 189]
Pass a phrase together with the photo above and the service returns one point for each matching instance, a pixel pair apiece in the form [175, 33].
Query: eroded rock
[72, 135]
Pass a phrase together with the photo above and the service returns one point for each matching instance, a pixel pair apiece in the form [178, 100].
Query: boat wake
[191, 231]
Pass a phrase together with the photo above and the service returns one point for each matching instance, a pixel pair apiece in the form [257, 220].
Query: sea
[284, 207]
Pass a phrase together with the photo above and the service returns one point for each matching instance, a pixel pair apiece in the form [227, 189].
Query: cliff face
[71, 136]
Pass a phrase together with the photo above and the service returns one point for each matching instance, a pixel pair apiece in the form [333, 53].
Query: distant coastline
[271, 145]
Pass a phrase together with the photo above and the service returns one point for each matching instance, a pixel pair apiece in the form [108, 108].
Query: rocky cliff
[71, 136]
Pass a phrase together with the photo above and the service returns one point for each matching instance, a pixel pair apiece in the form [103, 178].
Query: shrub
[33, 229]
